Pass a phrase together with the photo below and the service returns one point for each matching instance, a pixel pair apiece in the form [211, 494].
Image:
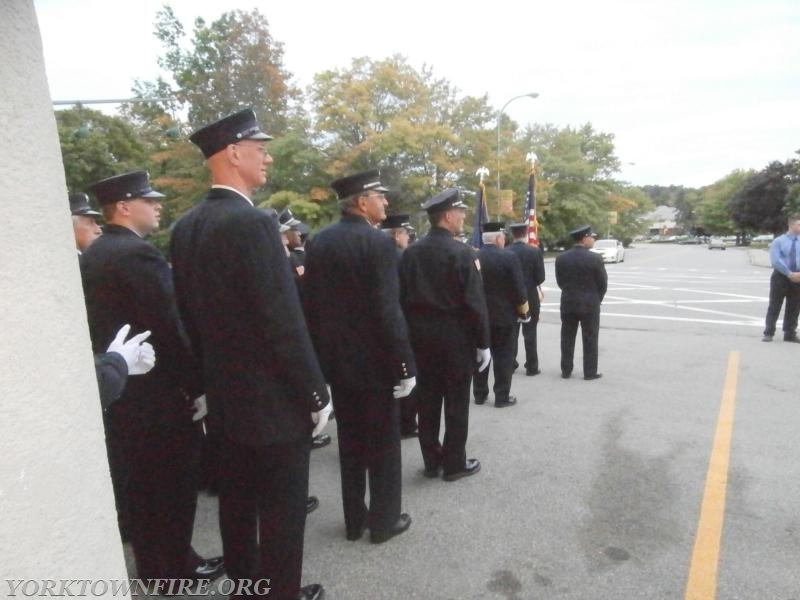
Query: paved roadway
[593, 490]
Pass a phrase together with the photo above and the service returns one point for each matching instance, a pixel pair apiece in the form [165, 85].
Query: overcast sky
[691, 89]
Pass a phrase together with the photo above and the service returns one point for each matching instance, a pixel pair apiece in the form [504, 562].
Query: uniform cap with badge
[396, 222]
[493, 227]
[358, 183]
[79, 205]
[518, 227]
[445, 200]
[234, 128]
[287, 218]
[127, 186]
[581, 232]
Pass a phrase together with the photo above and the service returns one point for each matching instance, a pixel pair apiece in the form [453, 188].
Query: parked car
[763, 239]
[717, 243]
[691, 240]
[611, 250]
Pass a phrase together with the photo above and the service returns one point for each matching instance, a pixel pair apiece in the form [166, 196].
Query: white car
[717, 242]
[610, 250]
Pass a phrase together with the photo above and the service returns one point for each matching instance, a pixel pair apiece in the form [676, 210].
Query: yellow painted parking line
[702, 583]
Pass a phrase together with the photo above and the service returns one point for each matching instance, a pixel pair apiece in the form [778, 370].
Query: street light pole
[499, 116]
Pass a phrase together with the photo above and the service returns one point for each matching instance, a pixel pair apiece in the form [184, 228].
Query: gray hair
[346, 205]
[490, 237]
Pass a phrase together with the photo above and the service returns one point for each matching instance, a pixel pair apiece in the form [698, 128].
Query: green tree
[576, 185]
[714, 209]
[95, 146]
[232, 62]
[408, 123]
[761, 203]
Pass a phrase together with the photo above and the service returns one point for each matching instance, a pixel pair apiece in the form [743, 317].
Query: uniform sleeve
[560, 279]
[112, 373]
[519, 290]
[151, 282]
[273, 301]
[475, 299]
[539, 267]
[602, 278]
[392, 327]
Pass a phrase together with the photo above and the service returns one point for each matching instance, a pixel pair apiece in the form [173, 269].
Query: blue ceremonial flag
[481, 216]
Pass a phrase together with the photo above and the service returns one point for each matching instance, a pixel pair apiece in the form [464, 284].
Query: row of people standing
[369, 324]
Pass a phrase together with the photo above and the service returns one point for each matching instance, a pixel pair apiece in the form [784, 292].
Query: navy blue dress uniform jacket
[128, 280]
[531, 260]
[238, 298]
[440, 277]
[503, 284]
[351, 297]
[581, 275]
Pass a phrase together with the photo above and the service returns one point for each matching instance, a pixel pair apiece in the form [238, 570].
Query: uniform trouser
[408, 413]
[529, 335]
[504, 341]
[444, 349]
[262, 513]
[434, 391]
[590, 332]
[160, 495]
[368, 427]
[119, 479]
[781, 288]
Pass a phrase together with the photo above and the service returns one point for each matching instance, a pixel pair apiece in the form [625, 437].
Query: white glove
[524, 319]
[320, 418]
[405, 387]
[200, 408]
[138, 354]
[484, 357]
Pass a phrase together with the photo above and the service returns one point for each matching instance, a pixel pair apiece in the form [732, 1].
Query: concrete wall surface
[56, 501]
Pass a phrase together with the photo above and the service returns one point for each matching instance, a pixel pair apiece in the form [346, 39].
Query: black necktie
[793, 256]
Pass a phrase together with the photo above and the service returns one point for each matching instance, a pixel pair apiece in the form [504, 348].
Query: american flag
[530, 205]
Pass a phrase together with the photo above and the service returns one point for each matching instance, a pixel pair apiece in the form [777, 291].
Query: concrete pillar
[57, 517]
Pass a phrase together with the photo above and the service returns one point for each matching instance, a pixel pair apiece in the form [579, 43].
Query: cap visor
[86, 213]
[259, 137]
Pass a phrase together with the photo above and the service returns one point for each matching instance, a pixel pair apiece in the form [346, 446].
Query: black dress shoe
[791, 338]
[311, 592]
[516, 365]
[565, 375]
[512, 400]
[356, 534]
[480, 399]
[473, 466]
[402, 524]
[320, 441]
[532, 372]
[210, 568]
[312, 504]
[766, 338]
[595, 376]
[432, 472]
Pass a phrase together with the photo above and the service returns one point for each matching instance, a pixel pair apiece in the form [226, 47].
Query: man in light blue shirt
[784, 283]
